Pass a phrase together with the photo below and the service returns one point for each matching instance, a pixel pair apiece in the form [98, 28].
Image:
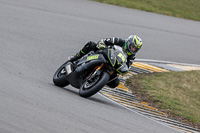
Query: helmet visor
[133, 48]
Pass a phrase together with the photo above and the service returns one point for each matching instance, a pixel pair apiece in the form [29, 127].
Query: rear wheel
[60, 77]
[92, 85]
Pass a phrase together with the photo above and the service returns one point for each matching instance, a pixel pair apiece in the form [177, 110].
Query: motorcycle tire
[102, 81]
[60, 81]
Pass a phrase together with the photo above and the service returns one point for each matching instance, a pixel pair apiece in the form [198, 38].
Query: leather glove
[101, 45]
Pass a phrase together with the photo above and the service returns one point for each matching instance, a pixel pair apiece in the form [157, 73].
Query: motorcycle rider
[130, 47]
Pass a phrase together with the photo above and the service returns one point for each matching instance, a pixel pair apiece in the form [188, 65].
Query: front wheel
[92, 86]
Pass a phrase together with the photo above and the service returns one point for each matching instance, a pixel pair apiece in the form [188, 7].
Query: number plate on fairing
[69, 68]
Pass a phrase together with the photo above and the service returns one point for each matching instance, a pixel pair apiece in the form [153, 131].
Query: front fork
[98, 72]
[100, 67]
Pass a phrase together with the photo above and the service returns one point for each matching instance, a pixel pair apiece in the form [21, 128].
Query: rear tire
[59, 79]
[102, 81]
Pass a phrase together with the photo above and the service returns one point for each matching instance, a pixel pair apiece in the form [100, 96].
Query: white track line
[166, 62]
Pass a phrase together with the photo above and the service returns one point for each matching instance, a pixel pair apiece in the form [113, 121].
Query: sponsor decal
[93, 57]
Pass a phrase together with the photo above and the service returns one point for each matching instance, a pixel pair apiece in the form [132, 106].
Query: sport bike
[93, 71]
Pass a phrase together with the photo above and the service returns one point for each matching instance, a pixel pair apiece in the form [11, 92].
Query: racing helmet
[132, 44]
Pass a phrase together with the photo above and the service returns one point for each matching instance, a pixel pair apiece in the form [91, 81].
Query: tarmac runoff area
[122, 96]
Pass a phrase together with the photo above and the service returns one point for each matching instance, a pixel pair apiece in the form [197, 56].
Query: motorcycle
[93, 71]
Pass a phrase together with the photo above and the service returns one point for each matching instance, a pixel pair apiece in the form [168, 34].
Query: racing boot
[89, 46]
[77, 56]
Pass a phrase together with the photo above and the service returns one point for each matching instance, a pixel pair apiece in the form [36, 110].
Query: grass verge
[175, 93]
[188, 9]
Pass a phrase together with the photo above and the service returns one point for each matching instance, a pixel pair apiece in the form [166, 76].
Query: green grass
[178, 92]
[188, 9]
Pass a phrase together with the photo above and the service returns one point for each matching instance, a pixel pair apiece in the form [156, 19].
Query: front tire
[86, 91]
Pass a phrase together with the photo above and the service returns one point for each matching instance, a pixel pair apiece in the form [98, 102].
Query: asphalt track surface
[37, 36]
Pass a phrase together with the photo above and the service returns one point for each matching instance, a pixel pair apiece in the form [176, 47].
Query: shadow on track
[96, 98]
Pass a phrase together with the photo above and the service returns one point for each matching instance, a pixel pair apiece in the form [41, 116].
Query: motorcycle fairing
[123, 69]
[90, 58]
[121, 62]
[111, 56]
[121, 58]
[77, 76]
